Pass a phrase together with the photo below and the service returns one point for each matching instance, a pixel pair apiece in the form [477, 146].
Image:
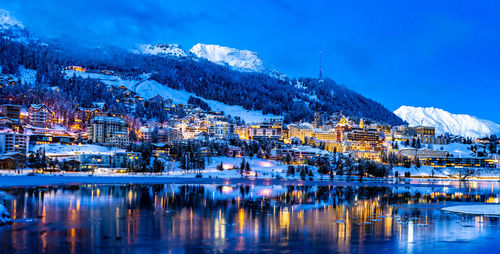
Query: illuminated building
[426, 130]
[76, 68]
[221, 129]
[11, 111]
[40, 115]
[123, 159]
[14, 142]
[299, 131]
[454, 162]
[111, 131]
[271, 129]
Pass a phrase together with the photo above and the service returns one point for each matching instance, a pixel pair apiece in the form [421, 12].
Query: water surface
[185, 218]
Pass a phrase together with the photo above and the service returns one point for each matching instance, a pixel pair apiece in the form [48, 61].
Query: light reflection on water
[211, 218]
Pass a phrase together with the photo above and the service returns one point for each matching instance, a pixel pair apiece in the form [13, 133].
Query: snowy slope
[161, 50]
[11, 28]
[149, 88]
[7, 21]
[244, 60]
[445, 122]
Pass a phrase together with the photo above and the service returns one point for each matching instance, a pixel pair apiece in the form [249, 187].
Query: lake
[244, 217]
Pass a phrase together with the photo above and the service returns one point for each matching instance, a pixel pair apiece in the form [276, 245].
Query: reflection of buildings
[337, 219]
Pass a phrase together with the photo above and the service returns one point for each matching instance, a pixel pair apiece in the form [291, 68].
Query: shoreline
[7, 181]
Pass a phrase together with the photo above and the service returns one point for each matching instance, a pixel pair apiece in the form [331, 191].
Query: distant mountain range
[445, 122]
[236, 59]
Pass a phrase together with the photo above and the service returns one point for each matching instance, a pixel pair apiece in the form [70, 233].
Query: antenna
[320, 65]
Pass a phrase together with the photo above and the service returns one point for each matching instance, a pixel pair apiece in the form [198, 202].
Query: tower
[320, 66]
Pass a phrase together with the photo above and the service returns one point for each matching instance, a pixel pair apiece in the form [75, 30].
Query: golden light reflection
[241, 219]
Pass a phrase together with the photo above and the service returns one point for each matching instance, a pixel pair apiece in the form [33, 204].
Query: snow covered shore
[73, 179]
[491, 210]
[4, 216]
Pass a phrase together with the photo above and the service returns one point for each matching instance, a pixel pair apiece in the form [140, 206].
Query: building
[14, 142]
[125, 159]
[169, 134]
[90, 162]
[268, 130]
[426, 131]
[11, 111]
[235, 151]
[109, 131]
[220, 129]
[326, 136]
[342, 126]
[40, 115]
[12, 160]
[423, 153]
[299, 131]
[146, 134]
[363, 135]
[84, 114]
[455, 162]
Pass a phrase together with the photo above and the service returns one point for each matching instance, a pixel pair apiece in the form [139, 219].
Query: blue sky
[419, 53]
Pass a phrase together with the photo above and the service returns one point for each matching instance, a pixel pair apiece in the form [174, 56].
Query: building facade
[14, 142]
[11, 111]
[109, 131]
[40, 115]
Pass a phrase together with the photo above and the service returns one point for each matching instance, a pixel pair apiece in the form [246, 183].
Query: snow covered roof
[109, 119]
[37, 107]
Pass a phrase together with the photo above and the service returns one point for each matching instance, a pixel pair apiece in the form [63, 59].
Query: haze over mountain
[445, 122]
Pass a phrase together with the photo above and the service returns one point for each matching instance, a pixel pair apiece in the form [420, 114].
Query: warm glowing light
[266, 192]
[266, 164]
[227, 166]
[227, 189]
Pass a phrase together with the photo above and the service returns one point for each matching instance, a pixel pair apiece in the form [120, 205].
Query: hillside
[251, 91]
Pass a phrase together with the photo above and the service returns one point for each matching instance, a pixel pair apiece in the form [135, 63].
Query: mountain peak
[7, 20]
[163, 49]
[445, 122]
[243, 60]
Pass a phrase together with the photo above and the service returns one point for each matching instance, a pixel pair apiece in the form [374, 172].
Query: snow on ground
[4, 216]
[239, 59]
[106, 79]
[150, 88]
[423, 171]
[262, 167]
[72, 150]
[426, 171]
[456, 149]
[27, 76]
[493, 210]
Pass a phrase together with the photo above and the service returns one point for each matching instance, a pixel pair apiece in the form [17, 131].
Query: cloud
[105, 20]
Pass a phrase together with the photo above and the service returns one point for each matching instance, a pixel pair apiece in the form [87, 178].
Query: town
[192, 140]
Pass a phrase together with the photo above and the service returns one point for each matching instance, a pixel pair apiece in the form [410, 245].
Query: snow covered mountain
[7, 21]
[13, 29]
[445, 122]
[161, 50]
[244, 60]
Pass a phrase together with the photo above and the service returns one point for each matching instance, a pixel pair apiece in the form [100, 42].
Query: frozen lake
[237, 216]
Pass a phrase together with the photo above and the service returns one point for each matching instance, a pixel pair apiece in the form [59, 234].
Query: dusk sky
[418, 53]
